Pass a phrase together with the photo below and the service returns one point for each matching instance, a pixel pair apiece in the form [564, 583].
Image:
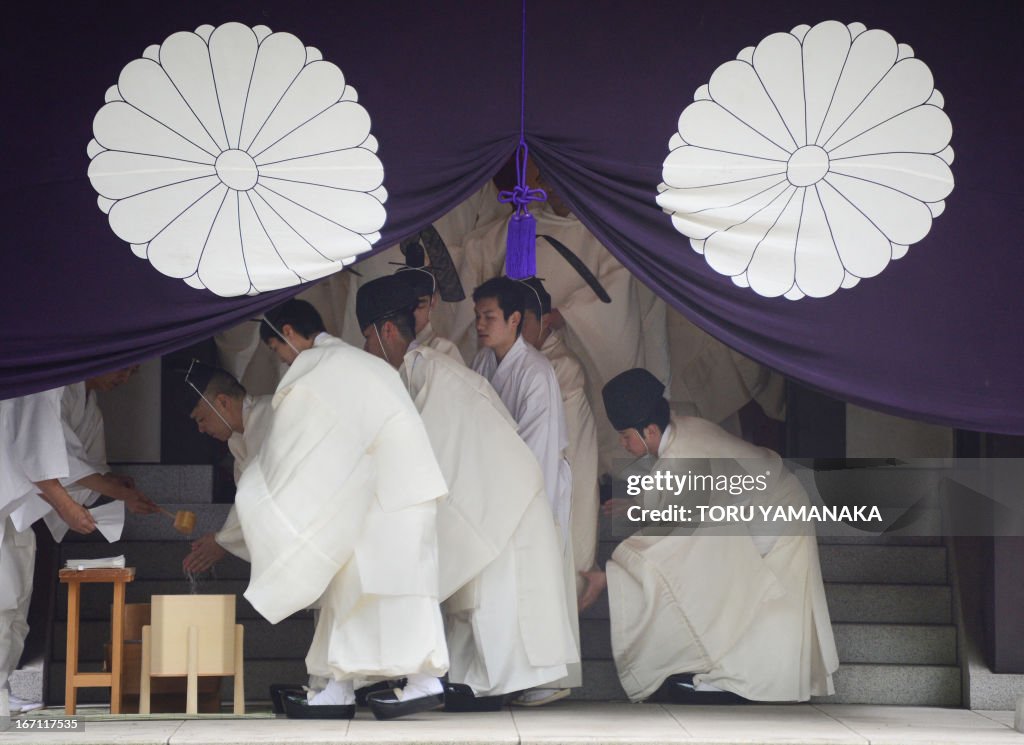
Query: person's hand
[139, 504]
[596, 582]
[617, 507]
[557, 321]
[205, 553]
[76, 516]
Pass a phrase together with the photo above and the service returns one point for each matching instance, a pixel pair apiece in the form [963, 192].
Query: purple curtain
[935, 335]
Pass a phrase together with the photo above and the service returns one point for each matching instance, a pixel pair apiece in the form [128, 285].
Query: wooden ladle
[184, 520]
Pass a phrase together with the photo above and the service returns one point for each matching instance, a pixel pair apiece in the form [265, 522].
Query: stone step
[170, 484]
[912, 565]
[873, 603]
[901, 644]
[896, 685]
[288, 639]
[27, 681]
[896, 644]
[866, 603]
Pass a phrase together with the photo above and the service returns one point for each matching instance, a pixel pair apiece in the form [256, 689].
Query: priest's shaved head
[290, 328]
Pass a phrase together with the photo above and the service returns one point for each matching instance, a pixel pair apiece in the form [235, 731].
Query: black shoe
[277, 692]
[680, 689]
[384, 685]
[385, 704]
[297, 707]
[459, 697]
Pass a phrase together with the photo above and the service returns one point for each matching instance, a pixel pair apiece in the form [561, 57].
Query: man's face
[632, 443]
[532, 329]
[492, 329]
[422, 312]
[207, 420]
[284, 352]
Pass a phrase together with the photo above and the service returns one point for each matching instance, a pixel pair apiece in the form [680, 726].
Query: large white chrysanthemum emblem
[810, 161]
[238, 160]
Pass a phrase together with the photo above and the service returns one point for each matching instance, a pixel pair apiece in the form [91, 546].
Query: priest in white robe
[424, 284]
[606, 337]
[33, 459]
[527, 385]
[339, 509]
[582, 450]
[500, 555]
[89, 476]
[227, 413]
[717, 610]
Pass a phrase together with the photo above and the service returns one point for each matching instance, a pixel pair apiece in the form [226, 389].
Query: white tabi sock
[419, 685]
[337, 693]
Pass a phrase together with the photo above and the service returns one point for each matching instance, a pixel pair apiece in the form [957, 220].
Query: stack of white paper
[110, 562]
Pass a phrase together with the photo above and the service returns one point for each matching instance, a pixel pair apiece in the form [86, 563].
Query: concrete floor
[569, 723]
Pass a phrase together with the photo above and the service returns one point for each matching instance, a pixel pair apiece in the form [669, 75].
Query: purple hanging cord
[521, 245]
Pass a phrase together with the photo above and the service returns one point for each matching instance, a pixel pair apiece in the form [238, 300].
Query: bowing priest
[527, 385]
[500, 553]
[424, 282]
[225, 412]
[339, 509]
[33, 460]
[712, 612]
[582, 450]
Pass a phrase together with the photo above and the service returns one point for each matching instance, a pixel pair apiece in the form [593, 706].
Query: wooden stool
[74, 578]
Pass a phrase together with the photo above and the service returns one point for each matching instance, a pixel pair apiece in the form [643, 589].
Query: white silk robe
[87, 451]
[427, 337]
[712, 603]
[526, 382]
[500, 555]
[244, 445]
[581, 452]
[339, 509]
[32, 449]
[527, 385]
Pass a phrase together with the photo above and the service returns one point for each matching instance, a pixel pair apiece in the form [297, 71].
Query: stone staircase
[890, 601]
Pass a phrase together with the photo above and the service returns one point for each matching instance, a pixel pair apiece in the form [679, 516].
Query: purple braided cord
[522, 194]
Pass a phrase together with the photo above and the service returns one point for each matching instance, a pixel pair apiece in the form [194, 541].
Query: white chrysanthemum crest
[810, 161]
[237, 160]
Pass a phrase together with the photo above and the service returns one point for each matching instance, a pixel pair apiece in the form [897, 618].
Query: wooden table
[74, 578]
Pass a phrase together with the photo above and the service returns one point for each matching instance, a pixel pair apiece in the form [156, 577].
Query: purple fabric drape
[934, 336]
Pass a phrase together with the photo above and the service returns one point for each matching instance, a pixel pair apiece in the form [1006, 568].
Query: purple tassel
[521, 248]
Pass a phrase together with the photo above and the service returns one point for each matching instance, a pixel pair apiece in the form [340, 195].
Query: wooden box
[212, 615]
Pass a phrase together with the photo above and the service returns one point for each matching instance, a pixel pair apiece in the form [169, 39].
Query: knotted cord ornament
[521, 244]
